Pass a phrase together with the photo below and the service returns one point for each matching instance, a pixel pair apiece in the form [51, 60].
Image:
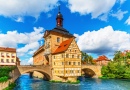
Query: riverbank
[54, 81]
[3, 85]
[6, 77]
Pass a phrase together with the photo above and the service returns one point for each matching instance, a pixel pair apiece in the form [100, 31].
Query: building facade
[8, 56]
[61, 52]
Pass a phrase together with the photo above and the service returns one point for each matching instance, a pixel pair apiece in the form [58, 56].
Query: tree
[87, 58]
[118, 57]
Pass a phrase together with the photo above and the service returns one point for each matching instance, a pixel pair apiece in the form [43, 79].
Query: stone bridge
[46, 70]
[91, 70]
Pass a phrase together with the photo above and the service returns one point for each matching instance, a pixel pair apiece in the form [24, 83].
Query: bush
[115, 70]
[3, 79]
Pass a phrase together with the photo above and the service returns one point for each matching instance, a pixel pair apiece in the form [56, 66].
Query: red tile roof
[103, 57]
[63, 46]
[8, 49]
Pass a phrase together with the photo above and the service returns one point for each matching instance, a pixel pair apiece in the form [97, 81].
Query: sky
[101, 27]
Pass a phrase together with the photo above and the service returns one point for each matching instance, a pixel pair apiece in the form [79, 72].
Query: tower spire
[59, 18]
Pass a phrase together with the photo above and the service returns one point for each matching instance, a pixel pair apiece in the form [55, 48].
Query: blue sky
[101, 26]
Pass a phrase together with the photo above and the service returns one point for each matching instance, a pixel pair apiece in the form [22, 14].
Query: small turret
[59, 19]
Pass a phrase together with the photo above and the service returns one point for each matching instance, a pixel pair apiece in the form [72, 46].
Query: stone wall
[5, 84]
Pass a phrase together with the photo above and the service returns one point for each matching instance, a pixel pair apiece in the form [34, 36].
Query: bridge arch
[91, 70]
[45, 70]
[47, 76]
[87, 72]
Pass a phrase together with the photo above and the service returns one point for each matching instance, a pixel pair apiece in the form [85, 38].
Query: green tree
[87, 58]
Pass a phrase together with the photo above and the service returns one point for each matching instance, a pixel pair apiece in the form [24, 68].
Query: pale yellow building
[7, 56]
[61, 52]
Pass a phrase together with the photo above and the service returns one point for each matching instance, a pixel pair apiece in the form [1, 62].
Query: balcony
[46, 52]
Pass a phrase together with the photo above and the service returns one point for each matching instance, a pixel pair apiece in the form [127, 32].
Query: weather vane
[59, 7]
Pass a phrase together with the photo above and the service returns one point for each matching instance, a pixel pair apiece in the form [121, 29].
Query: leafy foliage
[88, 59]
[4, 73]
[119, 68]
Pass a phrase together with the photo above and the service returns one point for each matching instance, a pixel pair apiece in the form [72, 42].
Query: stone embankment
[5, 84]
[14, 75]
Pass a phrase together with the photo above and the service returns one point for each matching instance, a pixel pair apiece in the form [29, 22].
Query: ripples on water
[24, 82]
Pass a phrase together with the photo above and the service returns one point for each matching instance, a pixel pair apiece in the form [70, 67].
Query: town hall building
[61, 52]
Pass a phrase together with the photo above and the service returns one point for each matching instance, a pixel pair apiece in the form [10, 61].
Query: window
[78, 71]
[62, 55]
[2, 60]
[74, 63]
[72, 56]
[62, 63]
[77, 56]
[2, 54]
[69, 63]
[7, 54]
[71, 71]
[54, 57]
[78, 63]
[13, 55]
[58, 39]
[67, 55]
[54, 63]
[7, 60]
[12, 61]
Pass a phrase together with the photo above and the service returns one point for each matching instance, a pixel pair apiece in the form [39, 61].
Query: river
[25, 82]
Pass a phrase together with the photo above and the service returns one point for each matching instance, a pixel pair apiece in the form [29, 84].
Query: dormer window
[58, 39]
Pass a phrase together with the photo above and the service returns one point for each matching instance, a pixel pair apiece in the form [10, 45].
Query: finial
[59, 7]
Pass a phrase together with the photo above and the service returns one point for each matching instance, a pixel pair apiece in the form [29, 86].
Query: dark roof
[59, 15]
[61, 30]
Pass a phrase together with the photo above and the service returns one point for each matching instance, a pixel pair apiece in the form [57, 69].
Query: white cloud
[19, 19]
[12, 8]
[119, 14]
[122, 1]
[31, 46]
[29, 40]
[104, 41]
[128, 21]
[93, 7]
[30, 61]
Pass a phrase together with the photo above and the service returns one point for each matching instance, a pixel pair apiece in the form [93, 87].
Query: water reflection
[24, 82]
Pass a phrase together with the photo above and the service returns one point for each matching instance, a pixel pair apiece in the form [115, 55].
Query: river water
[25, 82]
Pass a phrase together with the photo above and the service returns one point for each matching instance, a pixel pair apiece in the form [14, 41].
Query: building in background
[61, 52]
[102, 60]
[8, 56]
[38, 57]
